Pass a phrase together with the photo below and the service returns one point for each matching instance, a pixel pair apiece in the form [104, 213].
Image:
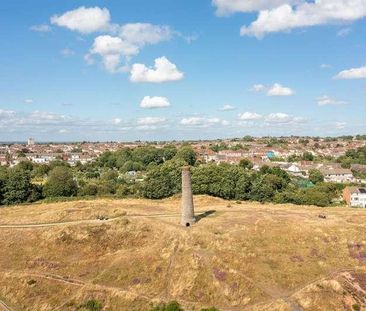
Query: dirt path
[80, 222]
[4, 306]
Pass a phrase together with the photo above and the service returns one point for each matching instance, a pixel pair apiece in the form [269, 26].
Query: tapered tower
[187, 198]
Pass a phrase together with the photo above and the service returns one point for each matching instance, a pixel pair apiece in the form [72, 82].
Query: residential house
[355, 196]
[337, 175]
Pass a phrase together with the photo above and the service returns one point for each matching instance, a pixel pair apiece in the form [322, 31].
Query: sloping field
[237, 257]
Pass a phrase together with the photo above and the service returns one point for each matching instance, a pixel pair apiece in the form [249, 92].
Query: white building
[338, 175]
[355, 196]
[31, 142]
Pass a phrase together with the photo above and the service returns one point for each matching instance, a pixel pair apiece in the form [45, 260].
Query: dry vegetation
[241, 257]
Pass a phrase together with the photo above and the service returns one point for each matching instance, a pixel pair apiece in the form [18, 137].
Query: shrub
[171, 306]
[60, 183]
[92, 305]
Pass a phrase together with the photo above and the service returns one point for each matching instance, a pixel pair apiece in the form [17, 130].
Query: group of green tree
[175, 306]
[156, 175]
[239, 182]
[354, 156]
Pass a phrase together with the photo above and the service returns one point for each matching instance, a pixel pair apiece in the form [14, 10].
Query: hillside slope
[237, 257]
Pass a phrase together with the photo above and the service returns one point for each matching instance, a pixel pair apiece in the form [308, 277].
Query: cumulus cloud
[29, 101]
[326, 100]
[41, 28]
[279, 90]
[283, 118]
[111, 49]
[225, 7]
[163, 71]
[84, 20]
[354, 73]
[274, 90]
[132, 38]
[227, 108]
[287, 16]
[152, 102]
[151, 121]
[250, 116]
[202, 122]
[142, 34]
[118, 43]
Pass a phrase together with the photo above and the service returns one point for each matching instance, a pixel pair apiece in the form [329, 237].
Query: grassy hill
[237, 257]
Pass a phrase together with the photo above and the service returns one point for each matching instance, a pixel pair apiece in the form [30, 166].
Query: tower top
[186, 168]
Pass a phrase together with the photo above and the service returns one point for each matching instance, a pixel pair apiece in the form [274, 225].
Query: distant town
[296, 155]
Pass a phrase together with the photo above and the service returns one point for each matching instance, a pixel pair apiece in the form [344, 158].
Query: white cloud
[279, 90]
[142, 34]
[4, 114]
[286, 17]
[39, 116]
[131, 39]
[154, 102]
[354, 73]
[29, 101]
[41, 28]
[151, 121]
[67, 52]
[63, 131]
[283, 118]
[274, 90]
[202, 122]
[325, 66]
[117, 121]
[227, 108]
[111, 49]
[258, 88]
[163, 71]
[340, 125]
[84, 20]
[225, 7]
[249, 116]
[326, 100]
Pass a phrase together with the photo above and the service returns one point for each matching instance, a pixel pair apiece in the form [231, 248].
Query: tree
[3, 176]
[60, 183]
[246, 164]
[308, 156]
[164, 180]
[315, 176]
[187, 154]
[18, 186]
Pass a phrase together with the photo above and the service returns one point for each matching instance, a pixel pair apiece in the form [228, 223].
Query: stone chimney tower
[187, 198]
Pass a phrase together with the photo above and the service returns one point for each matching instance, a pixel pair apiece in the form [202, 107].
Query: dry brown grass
[243, 257]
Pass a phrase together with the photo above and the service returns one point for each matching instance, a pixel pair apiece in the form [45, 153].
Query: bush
[171, 306]
[88, 189]
[92, 305]
[315, 176]
[60, 183]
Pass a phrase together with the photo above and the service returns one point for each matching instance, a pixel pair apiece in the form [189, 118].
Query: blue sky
[84, 70]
